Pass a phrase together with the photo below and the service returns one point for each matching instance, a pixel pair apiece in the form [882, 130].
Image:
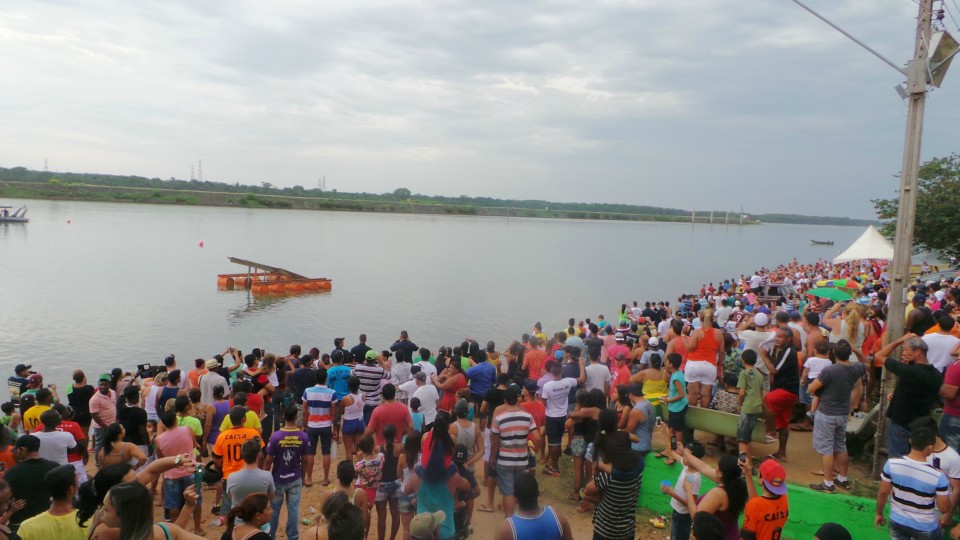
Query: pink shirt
[178, 440]
[106, 405]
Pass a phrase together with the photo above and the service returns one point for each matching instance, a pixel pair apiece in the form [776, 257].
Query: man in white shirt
[428, 396]
[598, 376]
[54, 444]
[942, 345]
[210, 380]
[753, 339]
[405, 391]
[556, 396]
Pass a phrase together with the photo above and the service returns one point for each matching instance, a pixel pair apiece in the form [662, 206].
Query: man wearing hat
[18, 381]
[428, 396]
[371, 373]
[766, 512]
[24, 479]
[426, 526]
[210, 380]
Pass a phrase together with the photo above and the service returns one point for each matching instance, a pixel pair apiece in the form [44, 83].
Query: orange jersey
[228, 447]
[763, 518]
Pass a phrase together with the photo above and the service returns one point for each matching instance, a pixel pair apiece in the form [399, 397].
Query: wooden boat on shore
[822, 242]
[262, 279]
[18, 216]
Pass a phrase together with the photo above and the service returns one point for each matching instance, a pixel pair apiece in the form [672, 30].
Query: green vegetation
[937, 226]
[24, 183]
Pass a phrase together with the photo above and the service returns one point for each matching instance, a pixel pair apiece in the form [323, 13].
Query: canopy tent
[870, 245]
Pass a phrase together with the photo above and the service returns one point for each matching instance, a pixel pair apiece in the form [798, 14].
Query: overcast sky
[686, 104]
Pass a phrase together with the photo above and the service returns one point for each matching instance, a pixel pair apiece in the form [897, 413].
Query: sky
[700, 104]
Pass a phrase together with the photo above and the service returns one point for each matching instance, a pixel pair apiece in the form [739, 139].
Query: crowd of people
[429, 438]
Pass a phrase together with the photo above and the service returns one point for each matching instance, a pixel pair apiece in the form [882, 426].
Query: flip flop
[485, 508]
[325, 483]
[669, 462]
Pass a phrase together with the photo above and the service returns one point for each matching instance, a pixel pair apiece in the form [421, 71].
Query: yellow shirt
[46, 525]
[31, 418]
[251, 421]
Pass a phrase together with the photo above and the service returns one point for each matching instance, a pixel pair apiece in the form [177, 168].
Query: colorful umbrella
[840, 284]
[831, 293]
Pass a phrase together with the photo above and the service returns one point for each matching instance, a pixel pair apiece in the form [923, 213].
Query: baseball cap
[104, 377]
[620, 356]
[460, 454]
[618, 336]
[558, 355]
[29, 442]
[530, 385]
[761, 319]
[774, 477]
[794, 315]
[461, 408]
[919, 298]
[36, 378]
[653, 342]
[764, 309]
[420, 376]
[371, 355]
[422, 526]
[212, 363]
[21, 367]
[737, 303]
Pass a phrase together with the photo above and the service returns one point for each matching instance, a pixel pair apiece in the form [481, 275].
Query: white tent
[870, 245]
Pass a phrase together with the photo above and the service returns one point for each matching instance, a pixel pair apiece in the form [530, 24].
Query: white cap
[761, 319]
[653, 342]
[737, 303]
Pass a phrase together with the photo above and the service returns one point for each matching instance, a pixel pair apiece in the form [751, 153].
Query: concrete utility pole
[907, 210]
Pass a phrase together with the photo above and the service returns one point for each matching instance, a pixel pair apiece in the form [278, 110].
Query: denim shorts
[388, 490]
[173, 491]
[578, 446]
[405, 504]
[352, 427]
[507, 478]
[323, 435]
[745, 426]
[555, 430]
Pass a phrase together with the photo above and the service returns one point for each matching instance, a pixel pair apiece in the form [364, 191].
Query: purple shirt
[287, 449]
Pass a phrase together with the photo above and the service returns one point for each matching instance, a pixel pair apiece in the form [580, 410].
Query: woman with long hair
[351, 410]
[406, 465]
[728, 499]
[437, 480]
[204, 414]
[116, 450]
[704, 360]
[731, 355]
[849, 326]
[255, 512]
[129, 507]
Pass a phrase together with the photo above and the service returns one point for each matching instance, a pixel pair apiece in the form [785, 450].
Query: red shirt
[534, 360]
[390, 412]
[621, 375]
[537, 410]
[254, 402]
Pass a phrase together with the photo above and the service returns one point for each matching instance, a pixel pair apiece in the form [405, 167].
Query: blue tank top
[644, 430]
[544, 526]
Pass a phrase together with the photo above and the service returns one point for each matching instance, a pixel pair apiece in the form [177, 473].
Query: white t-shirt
[949, 462]
[54, 445]
[150, 402]
[816, 366]
[428, 396]
[405, 391]
[557, 394]
[940, 346]
[429, 369]
[209, 381]
[694, 479]
[752, 340]
[803, 334]
[663, 327]
[597, 376]
[755, 281]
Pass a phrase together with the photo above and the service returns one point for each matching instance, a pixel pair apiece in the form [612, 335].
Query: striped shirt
[320, 401]
[916, 486]
[513, 426]
[616, 515]
[370, 378]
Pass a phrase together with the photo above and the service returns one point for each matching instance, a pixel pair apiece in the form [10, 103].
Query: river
[101, 285]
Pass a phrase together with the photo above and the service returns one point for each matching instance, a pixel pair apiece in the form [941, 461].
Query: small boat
[19, 216]
[822, 242]
[262, 279]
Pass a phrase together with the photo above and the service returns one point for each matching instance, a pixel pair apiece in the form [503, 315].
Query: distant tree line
[402, 194]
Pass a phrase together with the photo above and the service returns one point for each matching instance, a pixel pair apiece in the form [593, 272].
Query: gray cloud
[699, 104]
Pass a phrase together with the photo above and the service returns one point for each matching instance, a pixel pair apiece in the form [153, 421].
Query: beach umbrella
[840, 283]
[830, 293]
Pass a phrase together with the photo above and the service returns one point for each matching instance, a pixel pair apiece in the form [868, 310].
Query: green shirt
[751, 381]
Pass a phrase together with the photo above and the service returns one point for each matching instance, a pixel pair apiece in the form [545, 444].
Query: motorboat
[18, 216]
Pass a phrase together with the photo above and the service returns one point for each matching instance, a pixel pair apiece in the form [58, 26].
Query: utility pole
[907, 209]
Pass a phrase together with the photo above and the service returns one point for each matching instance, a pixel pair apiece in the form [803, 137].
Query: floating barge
[262, 279]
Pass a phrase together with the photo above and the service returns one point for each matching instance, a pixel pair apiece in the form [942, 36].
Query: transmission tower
[200, 170]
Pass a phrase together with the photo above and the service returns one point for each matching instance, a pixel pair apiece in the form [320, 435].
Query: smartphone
[659, 422]
[673, 442]
[198, 479]
[743, 457]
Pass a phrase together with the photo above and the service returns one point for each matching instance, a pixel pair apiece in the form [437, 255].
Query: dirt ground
[802, 461]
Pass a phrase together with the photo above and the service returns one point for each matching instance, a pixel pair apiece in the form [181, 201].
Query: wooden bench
[720, 423]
